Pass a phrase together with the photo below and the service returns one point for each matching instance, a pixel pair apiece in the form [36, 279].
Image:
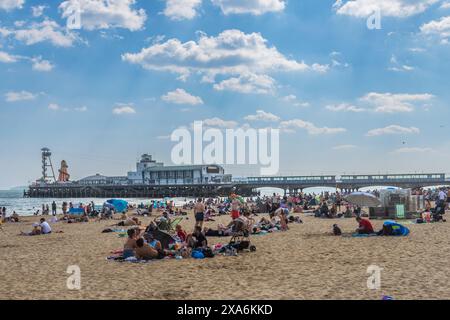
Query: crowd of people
[242, 212]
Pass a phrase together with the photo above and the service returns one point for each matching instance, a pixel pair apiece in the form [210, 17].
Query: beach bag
[196, 254]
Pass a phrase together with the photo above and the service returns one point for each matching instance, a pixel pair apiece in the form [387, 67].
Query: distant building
[103, 180]
[150, 172]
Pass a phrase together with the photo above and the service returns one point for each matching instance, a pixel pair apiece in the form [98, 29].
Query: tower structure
[64, 175]
[47, 163]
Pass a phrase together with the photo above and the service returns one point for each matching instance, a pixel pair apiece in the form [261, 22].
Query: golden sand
[306, 262]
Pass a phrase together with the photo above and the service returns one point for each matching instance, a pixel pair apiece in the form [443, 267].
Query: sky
[102, 90]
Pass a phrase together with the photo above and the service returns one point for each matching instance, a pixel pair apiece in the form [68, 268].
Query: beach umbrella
[119, 205]
[363, 199]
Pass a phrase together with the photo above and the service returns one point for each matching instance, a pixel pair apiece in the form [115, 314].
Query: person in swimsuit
[199, 210]
[144, 251]
[235, 206]
[130, 245]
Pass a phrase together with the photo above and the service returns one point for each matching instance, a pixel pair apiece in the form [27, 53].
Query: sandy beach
[306, 262]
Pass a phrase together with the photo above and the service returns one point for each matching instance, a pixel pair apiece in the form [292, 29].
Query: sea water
[14, 201]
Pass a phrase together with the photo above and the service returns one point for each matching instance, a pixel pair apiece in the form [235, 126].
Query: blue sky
[347, 98]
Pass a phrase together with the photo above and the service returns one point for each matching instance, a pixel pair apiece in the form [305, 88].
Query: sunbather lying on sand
[145, 251]
[197, 239]
[221, 231]
[129, 222]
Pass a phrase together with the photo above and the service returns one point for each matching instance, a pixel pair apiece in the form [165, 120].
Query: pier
[245, 187]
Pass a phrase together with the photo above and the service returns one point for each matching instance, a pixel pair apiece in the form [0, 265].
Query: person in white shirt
[45, 227]
[442, 196]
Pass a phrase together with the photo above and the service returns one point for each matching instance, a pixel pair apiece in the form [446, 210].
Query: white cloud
[388, 8]
[309, 127]
[417, 50]
[261, 115]
[45, 31]
[255, 7]
[41, 65]
[344, 147]
[81, 109]
[396, 66]
[182, 9]
[392, 103]
[439, 27]
[11, 4]
[402, 68]
[107, 14]
[345, 107]
[180, 96]
[231, 53]
[19, 96]
[249, 83]
[220, 123]
[292, 99]
[7, 58]
[392, 129]
[445, 5]
[413, 150]
[121, 109]
[54, 107]
[38, 11]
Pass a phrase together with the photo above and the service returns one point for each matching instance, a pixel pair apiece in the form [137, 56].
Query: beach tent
[120, 206]
[397, 228]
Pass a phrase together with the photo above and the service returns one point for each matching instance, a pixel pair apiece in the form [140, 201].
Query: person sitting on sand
[14, 217]
[181, 233]
[365, 227]
[197, 239]
[144, 251]
[324, 211]
[45, 227]
[333, 211]
[152, 242]
[283, 213]
[130, 245]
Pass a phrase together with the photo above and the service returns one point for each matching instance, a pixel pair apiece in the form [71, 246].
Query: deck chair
[174, 223]
[1, 225]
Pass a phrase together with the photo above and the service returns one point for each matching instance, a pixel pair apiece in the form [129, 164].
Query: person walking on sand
[54, 208]
[235, 208]
[199, 210]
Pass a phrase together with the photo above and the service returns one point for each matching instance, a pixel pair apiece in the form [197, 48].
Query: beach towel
[76, 211]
